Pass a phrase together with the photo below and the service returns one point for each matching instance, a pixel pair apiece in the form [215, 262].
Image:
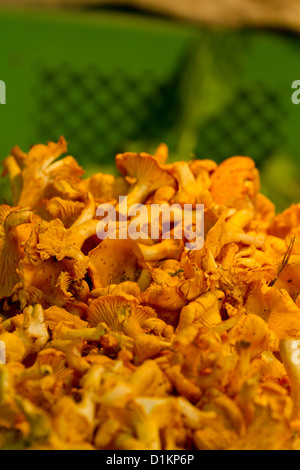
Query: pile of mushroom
[143, 344]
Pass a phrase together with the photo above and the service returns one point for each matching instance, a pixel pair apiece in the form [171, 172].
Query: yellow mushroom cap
[148, 175]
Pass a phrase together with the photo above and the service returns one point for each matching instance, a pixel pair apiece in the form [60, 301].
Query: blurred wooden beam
[233, 13]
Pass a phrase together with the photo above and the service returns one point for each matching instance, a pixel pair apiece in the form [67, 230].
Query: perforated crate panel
[100, 113]
[97, 79]
[250, 125]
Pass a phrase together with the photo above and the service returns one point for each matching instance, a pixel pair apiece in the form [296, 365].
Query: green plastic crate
[111, 82]
[95, 78]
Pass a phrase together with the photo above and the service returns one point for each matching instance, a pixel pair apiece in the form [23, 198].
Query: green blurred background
[114, 80]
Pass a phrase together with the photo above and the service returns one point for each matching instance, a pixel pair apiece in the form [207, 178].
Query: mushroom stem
[85, 334]
[185, 176]
[16, 218]
[171, 249]
[15, 177]
[93, 334]
[87, 213]
[137, 195]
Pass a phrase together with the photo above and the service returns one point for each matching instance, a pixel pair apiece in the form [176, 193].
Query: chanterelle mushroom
[144, 343]
[13, 233]
[38, 170]
[236, 183]
[146, 173]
